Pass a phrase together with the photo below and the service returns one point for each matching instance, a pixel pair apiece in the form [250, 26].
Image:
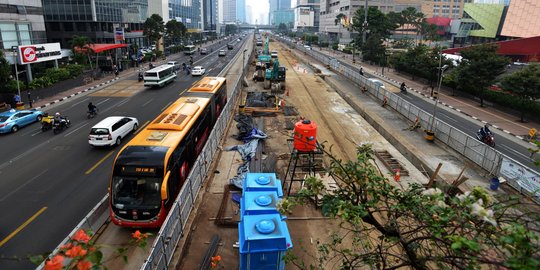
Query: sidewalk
[508, 123]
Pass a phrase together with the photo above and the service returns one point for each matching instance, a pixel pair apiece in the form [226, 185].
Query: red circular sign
[28, 54]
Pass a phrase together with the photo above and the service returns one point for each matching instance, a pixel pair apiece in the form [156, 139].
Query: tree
[79, 46]
[337, 21]
[282, 28]
[379, 26]
[373, 49]
[174, 30]
[230, 29]
[5, 72]
[154, 28]
[384, 226]
[427, 30]
[524, 83]
[479, 68]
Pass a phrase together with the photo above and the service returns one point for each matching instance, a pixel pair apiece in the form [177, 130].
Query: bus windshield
[141, 192]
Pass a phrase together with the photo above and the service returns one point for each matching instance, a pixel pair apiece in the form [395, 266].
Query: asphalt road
[48, 182]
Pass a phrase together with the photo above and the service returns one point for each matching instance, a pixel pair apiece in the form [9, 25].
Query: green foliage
[74, 70]
[11, 86]
[385, 226]
[479, 68]
[5, 71]
[379, 24]
[405, 43]
[174, 29]
[334, 47]
[282, 28]
[154, 28]
[324, 44]
[373, 49]
[230, 29]
[525, 84]
[40, 82]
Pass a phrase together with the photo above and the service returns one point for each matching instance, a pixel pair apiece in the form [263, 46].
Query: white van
[377, 83]
[175, 64]
[111, 130]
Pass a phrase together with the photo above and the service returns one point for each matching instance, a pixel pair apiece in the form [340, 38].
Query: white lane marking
[79, 102]
[5, 164]
[122, 102]
[27, 133]
[21, 186]
[71, 132]
[146, 103]
[38, 132]
[103, 101]
[451, 118]
[518, 153]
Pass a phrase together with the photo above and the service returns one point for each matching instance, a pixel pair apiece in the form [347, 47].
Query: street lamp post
[365, 25]
[243, 66]
[430, 134]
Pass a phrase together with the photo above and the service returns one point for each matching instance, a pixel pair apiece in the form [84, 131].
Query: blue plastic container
[494, 183]
[262, 182]
[259, 203]
[264, 239]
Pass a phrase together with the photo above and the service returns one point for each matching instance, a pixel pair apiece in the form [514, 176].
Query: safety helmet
[57, 114]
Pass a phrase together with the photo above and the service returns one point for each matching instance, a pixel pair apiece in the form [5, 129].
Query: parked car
[377, 82]
[274, 54]
[111, 130]
[222, 53]
[204, 51]
[13, 120]
[307, 47]
[176, 65]
[198, 71]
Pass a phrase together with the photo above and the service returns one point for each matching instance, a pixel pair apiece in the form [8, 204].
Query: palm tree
[338, 19]
[82, 43]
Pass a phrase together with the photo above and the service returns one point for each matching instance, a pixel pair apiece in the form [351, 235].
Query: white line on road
[146, 103]
[5, 164]
[79, 102]
[27, 133]
[76, 129]
[122, 102]
[510, 149]
[103, 101]
[21, 186]
[38, 132]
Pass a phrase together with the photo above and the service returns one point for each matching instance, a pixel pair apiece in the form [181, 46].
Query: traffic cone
[397, 176]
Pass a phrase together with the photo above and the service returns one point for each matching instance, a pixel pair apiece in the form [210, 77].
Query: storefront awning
[97, 48]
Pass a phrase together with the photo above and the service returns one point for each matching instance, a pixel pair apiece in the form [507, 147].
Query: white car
[307, 47]
[222, 53]
[198, 71]
[377, 83]
[111, 130]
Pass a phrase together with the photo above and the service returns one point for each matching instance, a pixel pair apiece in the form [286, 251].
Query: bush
[40, 82]
[11, 86]
[334, 47]
[347, 50]
[56, 75]
[324, 44]
[511, 101]
[74, 70]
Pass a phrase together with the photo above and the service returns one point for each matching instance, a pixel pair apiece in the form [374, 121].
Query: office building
[21, 23]
[306, 15]
[241, 11]
[210, 15]
[229, 11]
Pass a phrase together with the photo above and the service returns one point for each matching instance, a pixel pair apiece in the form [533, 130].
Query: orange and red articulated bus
[150, 170]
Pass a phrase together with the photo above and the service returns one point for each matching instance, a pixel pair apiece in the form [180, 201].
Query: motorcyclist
[59, 118]
[484, 131]
[92, 108]
[140, 76]
[403, 87]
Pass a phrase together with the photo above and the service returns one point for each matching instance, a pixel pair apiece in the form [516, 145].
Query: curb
[78, 93]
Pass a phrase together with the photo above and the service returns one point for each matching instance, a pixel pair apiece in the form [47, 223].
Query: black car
[230, 46]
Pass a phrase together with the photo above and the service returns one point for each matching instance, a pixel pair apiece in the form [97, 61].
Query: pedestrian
[361, 71]
[29, 98]
[115, 68]
[17, 98]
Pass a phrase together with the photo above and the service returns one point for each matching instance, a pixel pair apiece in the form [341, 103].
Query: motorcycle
[60, 125]
[140, 77]
[488, 139]
[91, 114]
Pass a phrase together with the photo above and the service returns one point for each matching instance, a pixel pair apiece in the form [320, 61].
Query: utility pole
[365, 25]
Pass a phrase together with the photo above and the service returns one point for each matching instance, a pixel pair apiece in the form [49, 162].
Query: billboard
[35, 53]
[119, 34]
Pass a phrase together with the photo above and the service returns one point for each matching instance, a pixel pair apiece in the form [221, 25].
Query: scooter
[59, 126]
[489, 139]
[91, 114]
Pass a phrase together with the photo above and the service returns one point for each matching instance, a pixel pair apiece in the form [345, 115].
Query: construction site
[284, 90]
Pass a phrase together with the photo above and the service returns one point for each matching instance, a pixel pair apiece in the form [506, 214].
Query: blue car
[13, 120]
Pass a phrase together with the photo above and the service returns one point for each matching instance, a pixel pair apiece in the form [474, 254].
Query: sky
[259, 8]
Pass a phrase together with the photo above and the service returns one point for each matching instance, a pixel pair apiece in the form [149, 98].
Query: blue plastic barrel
[494, 183]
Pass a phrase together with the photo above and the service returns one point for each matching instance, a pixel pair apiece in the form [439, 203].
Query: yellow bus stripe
[99, 162]
[16, 231]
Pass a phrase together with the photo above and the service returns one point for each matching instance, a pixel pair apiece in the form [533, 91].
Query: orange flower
[214, 265]
[84, 265]
[137, 235]
[216, 258]
[56, 263]
[76, 251]
[66, 246]
[81, 236]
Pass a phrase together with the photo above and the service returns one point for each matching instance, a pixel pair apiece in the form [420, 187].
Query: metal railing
[483, 155]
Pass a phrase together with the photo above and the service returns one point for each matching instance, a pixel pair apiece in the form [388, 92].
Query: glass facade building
[187, 12]
[210, 15]
[21, 24]
[95, 19]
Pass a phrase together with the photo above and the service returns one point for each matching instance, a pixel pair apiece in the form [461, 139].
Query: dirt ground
[339, 126]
